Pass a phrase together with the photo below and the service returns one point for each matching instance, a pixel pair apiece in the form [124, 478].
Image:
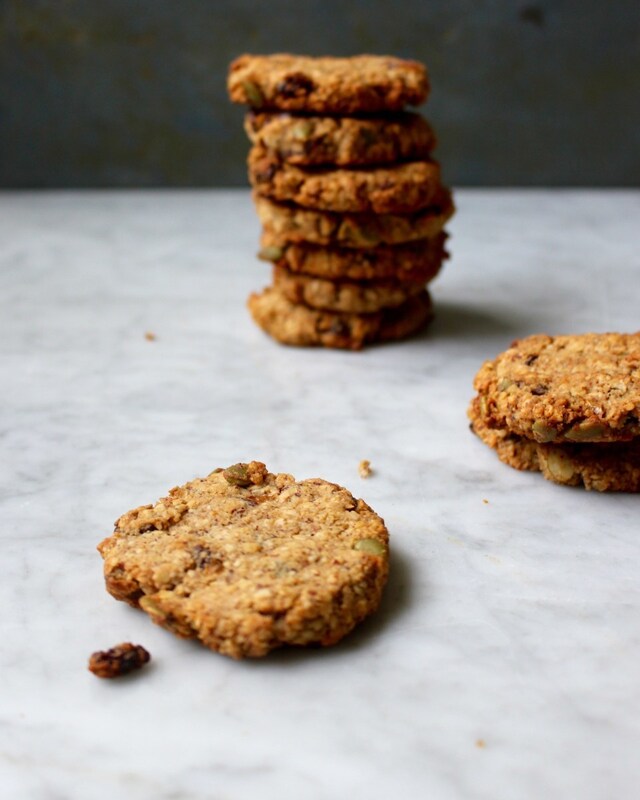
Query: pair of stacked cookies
[350, 200]
[568, 406]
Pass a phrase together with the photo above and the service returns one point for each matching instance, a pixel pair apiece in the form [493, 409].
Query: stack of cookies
[568, 406]
[350, 200]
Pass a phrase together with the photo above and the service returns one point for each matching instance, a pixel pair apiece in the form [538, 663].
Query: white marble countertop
[504, 662]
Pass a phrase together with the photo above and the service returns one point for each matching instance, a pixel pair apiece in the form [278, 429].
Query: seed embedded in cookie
[247, 561]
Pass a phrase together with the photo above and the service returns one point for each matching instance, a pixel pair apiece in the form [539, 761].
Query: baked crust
[290, 223]
[298, 325]
[416, 262]
[341, 141]
[327, 85]
[604, 467]
[396, 189]
[577, 388]
[247, 561]
[351, 297]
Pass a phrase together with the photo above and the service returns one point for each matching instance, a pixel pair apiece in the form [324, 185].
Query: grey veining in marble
[504, 661]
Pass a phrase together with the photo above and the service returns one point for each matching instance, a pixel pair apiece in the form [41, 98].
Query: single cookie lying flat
[342, 141]
[581, 388]
[396, 189]
[298, 325]
[360, 84]
[605, 467]
[247, 561]
[294, 224]
[418, 262]
[352, 297]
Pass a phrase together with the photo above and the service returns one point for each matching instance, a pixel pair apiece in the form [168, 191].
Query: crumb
[150, 336]
[118, 660]
[364, 468]
[480, 743]
[485, 501]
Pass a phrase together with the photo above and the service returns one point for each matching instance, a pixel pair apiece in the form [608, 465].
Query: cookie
[298, 325]
[396, 189]
[247, 561]
[352, 297]
[605, 467]
[294, 224]
[516, 451]
[579, 388]
[360, 84]
[341, 141]
[418, 262]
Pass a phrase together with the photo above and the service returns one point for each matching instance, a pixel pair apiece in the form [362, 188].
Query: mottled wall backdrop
[132, 92]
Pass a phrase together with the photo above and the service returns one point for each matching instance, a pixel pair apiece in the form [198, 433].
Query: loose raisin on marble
[118, 660]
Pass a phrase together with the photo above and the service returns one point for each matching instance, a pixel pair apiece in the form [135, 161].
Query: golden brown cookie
[580, 388]
[604, 467]
[352, 297]
[514, 450]
[247, 561]
[298, 325]
[395, 189]
[327, 85]
[290, 223]
[418, 262]
[342, 141]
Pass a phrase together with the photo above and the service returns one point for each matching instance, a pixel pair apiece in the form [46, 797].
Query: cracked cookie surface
[576, 388]
[342, 141]
[327, 85]
[298, 325]
[396, 189]
[247, 561]
[291, 223]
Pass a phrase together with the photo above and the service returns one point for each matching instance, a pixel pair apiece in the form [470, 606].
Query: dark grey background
[126, 93]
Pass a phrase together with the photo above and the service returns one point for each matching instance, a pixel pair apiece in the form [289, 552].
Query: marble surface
[504, 660]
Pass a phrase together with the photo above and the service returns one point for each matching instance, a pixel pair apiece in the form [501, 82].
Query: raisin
[295, 85]
[148, 527]
[203, 557]
[118, 660]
